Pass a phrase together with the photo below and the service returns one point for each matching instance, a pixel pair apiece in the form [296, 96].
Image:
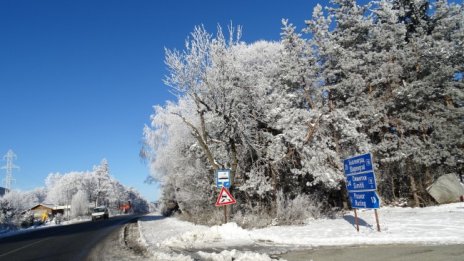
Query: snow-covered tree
[79, 204]
[97, 186]
[103, 183]
[392, 68]
[61, 190]
[138, 204]
[385, 77]
[13, 205]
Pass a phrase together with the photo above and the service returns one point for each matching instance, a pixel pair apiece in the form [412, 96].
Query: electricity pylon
[9, 157]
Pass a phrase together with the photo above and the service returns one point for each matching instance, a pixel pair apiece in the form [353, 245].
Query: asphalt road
[380, 253]
[67, 242]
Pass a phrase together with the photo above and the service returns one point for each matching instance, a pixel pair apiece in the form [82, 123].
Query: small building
[43, 211]
[3, 191]
[61, 209]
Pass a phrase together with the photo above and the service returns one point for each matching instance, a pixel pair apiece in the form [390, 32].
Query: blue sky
[78, 79]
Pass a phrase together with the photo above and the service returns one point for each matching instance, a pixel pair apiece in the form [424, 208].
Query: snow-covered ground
[172, 239]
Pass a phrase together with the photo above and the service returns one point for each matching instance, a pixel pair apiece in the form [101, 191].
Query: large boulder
[446, 189]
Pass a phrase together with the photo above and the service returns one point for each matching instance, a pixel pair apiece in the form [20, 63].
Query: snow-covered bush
[256, 219]
[14, 208]
[79, 204]
[299, 209]
[6, 216]
[27, 219]
[58, 218]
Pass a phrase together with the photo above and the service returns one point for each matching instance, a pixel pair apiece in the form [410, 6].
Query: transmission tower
[9, 157]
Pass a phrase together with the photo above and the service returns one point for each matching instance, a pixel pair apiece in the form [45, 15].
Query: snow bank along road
[172, 239]
[67, 242]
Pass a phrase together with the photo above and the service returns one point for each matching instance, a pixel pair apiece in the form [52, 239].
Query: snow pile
[166, 238]
[155, 229]
[234, 255]
[433, 225]
[161, 256]
[216, 236]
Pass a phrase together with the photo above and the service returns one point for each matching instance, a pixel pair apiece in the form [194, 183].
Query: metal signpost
[223, 183]
[361, 185]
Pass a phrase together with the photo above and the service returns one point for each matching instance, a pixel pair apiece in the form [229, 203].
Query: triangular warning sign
[225, 198]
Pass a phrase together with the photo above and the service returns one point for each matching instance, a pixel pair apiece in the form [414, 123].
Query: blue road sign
[364, 199]
[223, 178]
[358, 164]
[360, 182]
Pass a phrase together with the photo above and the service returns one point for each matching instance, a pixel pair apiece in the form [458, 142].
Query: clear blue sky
[78, 79]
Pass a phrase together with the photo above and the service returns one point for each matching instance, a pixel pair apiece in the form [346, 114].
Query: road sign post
[224, 199]
[361, 185]
[225, 214]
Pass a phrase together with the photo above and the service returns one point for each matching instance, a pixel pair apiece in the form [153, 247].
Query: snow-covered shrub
[27, 219]
[6, 216]
[256, 219]
[14, 204]
[79, 204]
[58, 218]
[299, 209]
[209, 216]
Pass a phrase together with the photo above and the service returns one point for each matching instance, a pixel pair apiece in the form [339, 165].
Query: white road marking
[23, 247]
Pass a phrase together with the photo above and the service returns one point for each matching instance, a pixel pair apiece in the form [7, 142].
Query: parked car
[100, 213]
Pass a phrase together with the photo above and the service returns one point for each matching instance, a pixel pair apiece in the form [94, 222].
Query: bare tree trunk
[393, 187]
[344, 195]
[331, 102]
[274, 190]
[233, 150]
[428, 177]
[312, 128]
[233, 170]
[414, 191]
[201, 112]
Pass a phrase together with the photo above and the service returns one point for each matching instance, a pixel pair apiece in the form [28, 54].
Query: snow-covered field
[172, 239]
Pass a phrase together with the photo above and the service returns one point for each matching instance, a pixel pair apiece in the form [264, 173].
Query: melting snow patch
[234, 255]
[160, 256]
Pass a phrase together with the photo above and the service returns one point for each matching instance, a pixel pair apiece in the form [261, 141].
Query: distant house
[3, 191]
[44, 210]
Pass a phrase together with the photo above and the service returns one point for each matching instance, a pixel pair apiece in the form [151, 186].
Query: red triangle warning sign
[225, 198]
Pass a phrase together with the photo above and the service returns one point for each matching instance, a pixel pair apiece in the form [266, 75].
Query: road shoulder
[121, 244]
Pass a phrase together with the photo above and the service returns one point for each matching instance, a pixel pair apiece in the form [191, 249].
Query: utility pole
[9, 157]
